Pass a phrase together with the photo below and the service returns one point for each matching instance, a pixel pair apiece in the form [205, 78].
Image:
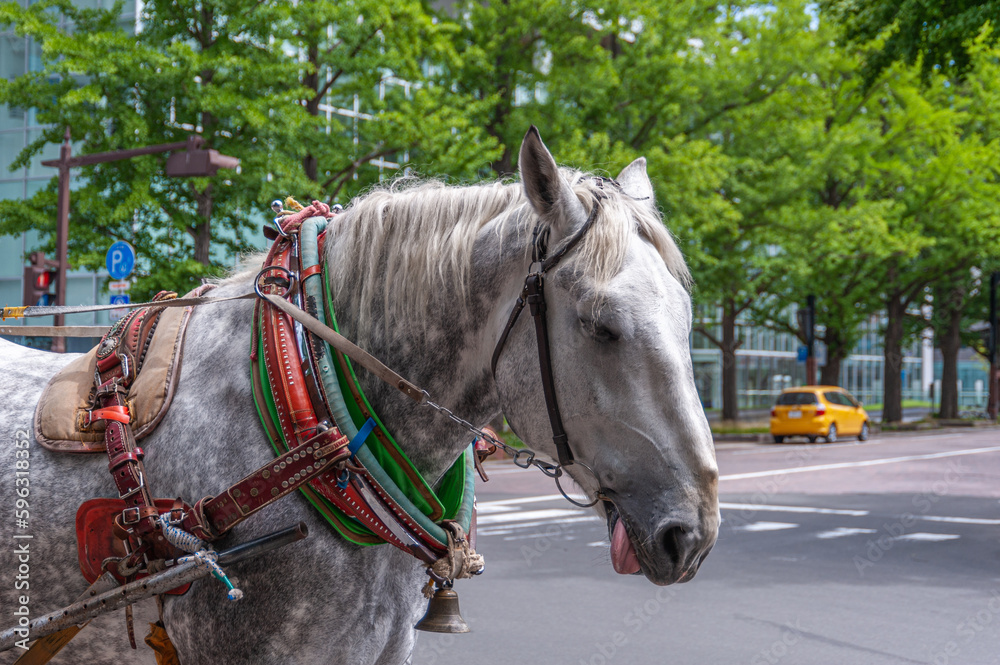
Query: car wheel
[863, 436]
[831, 435]
[812, 439]
[779, 439]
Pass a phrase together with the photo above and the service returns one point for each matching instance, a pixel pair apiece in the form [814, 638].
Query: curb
[952, 427]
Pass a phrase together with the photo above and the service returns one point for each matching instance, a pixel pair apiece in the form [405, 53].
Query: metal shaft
[147, 587]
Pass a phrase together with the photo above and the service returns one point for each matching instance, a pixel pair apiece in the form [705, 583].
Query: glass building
[768, 362]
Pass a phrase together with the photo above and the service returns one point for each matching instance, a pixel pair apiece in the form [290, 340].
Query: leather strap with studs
[283, 475]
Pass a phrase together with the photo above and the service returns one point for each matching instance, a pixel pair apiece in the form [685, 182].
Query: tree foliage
[250, 78]
[795, 149]
[932, 33]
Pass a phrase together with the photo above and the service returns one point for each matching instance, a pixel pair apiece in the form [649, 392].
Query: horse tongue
[623, 556]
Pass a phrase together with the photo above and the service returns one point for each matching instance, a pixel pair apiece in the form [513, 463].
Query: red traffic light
[39, 277]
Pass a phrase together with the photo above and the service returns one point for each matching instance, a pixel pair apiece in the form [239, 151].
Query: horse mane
[409, 238]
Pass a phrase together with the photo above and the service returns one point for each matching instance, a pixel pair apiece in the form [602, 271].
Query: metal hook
[597, 496]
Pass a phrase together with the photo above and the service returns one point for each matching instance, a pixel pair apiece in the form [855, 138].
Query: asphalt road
[858, 554]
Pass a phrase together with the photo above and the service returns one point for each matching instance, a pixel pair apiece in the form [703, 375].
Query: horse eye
[600, 333]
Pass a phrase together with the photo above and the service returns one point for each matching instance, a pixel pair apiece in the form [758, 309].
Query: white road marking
[928, 537]
[853, 465]
[511, 528]
[785, 448]
[492, 508]
[526, 515]
[791, 509]
[765, 526]
[599, 543]
[958, 520]
[502, 469]
[842, 531]
[529, 536]
[520, 499]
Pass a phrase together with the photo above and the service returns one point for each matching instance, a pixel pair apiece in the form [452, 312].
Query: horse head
[619, 319]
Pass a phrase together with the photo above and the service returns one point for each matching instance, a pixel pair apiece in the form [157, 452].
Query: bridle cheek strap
[533, 295]
[535, 287]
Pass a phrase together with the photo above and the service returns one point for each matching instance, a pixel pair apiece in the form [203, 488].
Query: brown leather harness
[316, 458]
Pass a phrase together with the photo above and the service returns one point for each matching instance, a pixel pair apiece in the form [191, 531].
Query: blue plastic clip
[359, 438]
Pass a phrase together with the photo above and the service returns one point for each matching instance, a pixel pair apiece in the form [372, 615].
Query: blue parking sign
[120, 259]
[120, 299]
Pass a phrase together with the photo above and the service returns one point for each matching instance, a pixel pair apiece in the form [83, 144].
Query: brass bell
[442, 613]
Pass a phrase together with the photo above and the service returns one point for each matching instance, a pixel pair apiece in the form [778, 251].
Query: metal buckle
[126, 520]
[262, 276]
[142, 484]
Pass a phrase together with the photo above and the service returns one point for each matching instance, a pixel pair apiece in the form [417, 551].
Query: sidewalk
[909, 415]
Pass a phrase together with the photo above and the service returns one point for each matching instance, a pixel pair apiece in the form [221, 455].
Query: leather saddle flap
[60, 416]
[96, 541]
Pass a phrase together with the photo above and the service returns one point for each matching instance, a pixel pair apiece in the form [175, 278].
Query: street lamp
[194, 161]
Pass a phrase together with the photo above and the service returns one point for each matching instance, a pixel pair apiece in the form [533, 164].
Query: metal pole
[62, 236]
[810, 340]
[171, 578]
[994, 395]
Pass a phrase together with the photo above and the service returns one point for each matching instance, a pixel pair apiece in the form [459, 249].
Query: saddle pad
[62, 408]
[95, 540]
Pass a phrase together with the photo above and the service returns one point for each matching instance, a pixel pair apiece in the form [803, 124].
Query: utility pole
[62, 235]
[194, 161]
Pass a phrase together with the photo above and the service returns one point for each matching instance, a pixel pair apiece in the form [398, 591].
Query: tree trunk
[311, 81]
[892, 395]
[950, 342]
[203, 232]
[829, 374]
[730, 404]
[309, 165]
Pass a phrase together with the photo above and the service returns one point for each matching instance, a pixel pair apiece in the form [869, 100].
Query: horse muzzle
[669, 552]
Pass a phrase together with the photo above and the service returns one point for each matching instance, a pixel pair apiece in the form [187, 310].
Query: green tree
[933, 33]
[229, 70]
[369, 58]
[527, 62]
[211, 70]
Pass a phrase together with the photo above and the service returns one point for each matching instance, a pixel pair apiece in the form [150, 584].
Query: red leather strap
[127, 456]
[310, 271]
[119, 358]
[116, 413]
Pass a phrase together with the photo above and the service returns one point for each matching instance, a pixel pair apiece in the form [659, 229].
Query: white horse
[423, 276]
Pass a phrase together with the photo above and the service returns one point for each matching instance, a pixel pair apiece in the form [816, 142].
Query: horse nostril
[676, 540]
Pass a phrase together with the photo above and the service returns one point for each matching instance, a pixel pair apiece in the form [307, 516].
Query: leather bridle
[533, 294]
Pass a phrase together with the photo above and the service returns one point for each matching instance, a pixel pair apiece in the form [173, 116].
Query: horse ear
[550, 195]
[635, 182]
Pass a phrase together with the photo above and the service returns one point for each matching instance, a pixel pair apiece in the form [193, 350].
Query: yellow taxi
[818, 411]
